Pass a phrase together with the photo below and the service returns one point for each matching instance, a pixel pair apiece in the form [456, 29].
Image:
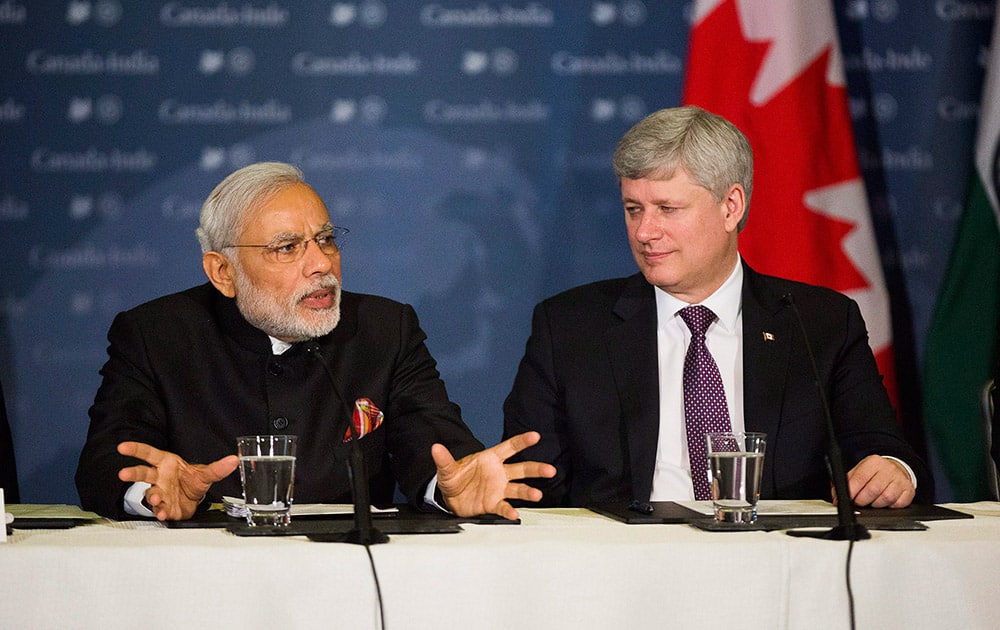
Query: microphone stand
[363, 532]
[848, 527]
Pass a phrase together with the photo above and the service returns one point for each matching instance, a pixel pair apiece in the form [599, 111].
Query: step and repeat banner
[465, 144]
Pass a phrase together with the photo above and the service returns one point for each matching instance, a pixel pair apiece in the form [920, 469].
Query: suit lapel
[768, 336]
[631, 344]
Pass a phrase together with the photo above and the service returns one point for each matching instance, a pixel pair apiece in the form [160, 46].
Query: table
[560, 568]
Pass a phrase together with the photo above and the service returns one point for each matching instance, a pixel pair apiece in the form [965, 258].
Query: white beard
[281, 320]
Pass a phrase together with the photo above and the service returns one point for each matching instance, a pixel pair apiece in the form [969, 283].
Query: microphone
[363, 532]
[847, 527]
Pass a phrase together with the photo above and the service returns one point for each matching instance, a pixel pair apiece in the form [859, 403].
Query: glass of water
[735, 463]
[267, 470]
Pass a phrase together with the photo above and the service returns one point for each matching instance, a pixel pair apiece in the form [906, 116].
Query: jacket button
[274, 369]
[279, 423]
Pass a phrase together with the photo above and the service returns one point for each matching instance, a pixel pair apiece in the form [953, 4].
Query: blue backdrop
[466, 144]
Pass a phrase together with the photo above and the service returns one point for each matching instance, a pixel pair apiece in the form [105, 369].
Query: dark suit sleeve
[534, 404]
[863, 415]
[126, 407]
[420, 412]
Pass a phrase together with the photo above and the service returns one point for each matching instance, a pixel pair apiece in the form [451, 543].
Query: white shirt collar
[278, 346]
[725, 302]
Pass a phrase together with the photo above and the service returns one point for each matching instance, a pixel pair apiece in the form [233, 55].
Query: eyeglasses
[292, 249]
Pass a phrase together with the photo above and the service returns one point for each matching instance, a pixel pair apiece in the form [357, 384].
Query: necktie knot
[698, 319]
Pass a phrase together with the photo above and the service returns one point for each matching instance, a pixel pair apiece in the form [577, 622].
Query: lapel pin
[768, 336]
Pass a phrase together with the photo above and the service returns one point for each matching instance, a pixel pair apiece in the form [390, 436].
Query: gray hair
[710, 148]
[225, 211]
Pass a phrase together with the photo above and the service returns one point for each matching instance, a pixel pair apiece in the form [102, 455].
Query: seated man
[190, 372]
[603, 375]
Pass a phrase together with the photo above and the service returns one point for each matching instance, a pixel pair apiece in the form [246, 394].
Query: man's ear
[219, 270]
[736, 206]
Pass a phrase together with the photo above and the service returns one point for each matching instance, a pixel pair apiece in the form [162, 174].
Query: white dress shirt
[672, 471]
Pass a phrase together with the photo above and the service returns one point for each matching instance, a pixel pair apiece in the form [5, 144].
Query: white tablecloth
[557, 569]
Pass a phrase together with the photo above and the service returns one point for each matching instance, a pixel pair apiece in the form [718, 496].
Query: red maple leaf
[802, 142]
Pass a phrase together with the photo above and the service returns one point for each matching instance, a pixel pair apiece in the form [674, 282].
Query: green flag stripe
[960, 348]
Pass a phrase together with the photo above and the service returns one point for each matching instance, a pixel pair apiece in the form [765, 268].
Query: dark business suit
[187, 373]
[588, 383]
[8, 468]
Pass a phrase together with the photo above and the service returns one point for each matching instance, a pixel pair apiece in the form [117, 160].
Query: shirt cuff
[134, 500]
[430, 497]
[913, 477]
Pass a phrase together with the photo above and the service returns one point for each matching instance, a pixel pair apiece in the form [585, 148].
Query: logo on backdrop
[914, 158]
[11, 111]
[355, 64]
[224, 15]
[952, 109]
[214, 158]
[93, 160]
[487, 15]
[106, 109]
[108, 205]
[89, 256]
[369, 110]
[500, 61]
[13, 13]
[236, 62]
[370, 14]
[891, 60]
[660, 62]
[880, 10]
[136, 63]
[180, 208]
[631, 13]
[101, 12]
[884, 107]
[486, 111]
[222, 112]
[628, 109]
[960, 11]
[354, 159]
[13, 209]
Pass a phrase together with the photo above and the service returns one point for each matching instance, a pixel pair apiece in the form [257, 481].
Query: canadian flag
[774, 69]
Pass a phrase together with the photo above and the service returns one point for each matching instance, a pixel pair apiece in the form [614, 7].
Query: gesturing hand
[176, 487]
[481, 483]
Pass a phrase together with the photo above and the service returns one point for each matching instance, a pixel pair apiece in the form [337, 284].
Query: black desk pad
[46, 523]
[668, 512]
[789, 522]
[333, 528]
[217, 517]
[406, 520]
[654, 512]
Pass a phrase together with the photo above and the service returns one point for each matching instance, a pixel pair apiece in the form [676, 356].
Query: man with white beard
[190, 372]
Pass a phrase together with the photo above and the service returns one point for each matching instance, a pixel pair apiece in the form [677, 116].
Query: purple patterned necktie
[705, 407]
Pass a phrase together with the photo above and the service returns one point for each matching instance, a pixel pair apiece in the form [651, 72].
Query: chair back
[988, 403]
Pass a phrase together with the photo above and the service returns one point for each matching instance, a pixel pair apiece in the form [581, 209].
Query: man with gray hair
[603, 374]
[243, 354]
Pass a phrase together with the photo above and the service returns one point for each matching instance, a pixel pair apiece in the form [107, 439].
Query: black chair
[991, 417]
[8, 468]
